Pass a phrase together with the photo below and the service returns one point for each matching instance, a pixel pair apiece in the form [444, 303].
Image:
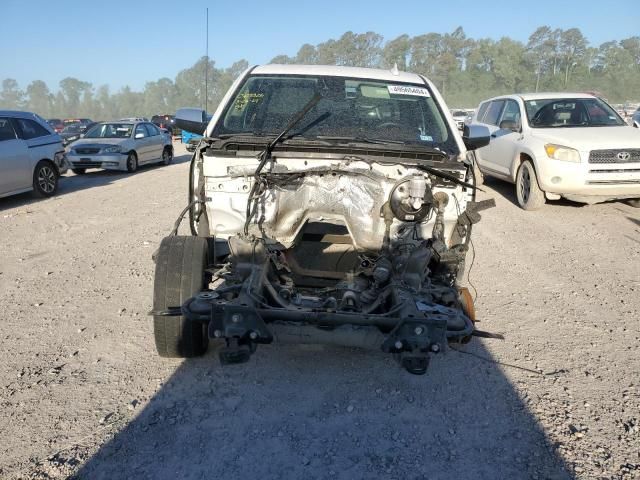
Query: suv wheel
[180, 274]
[45, 179]
[528, 192]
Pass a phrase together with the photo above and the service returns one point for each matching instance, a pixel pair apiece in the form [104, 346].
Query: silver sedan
[120, 145]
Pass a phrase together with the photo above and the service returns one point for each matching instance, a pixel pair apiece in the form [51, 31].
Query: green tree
[73, 89]
[11, 96]
[573, 50]
[397, 52]
[39, 98]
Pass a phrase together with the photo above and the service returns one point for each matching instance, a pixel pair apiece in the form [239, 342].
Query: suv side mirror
[192, 120]
[475, 136]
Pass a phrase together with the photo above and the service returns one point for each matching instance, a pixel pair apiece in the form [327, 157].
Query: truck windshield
[349, 108]
[571, 112]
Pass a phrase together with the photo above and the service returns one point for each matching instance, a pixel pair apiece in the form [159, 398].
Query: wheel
[528, 192]
[45, 179]
[634, 202]
[132, 162]
[180, 274]
[79, 171]
[167, 156]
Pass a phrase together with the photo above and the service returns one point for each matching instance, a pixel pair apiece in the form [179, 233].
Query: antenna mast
[206, 69]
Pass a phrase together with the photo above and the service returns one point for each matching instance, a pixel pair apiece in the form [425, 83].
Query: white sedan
[553, 145]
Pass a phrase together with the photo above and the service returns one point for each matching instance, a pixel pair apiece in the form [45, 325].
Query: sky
[123, 42]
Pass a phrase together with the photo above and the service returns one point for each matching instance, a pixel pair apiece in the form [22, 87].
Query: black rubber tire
[45, 179]
[132, 162]
[79, 171]
[180, 274]
[167, 162]
[528, 192]
[634, 202]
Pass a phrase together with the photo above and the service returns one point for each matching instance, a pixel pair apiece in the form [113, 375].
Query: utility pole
[206, 69]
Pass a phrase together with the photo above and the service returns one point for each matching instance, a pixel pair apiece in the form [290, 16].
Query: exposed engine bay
[362, 247]
[326, 205]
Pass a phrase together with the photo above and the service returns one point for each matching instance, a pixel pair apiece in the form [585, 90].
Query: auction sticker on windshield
[408, 90]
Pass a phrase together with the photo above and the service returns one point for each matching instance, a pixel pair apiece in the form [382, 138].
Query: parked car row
[33, 155]
[549, 145]
[553, 145]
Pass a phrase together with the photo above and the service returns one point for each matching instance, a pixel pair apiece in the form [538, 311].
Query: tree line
[465, 70]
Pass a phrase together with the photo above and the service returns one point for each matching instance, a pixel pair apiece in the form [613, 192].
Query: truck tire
[180, 274]
[529, 194]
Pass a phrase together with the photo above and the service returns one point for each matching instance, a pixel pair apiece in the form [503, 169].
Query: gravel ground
[83, 393]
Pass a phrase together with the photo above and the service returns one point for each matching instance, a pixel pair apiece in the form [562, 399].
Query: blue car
[191, 140]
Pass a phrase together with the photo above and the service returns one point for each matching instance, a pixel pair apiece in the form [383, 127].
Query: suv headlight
[113, 149]
[565, 154]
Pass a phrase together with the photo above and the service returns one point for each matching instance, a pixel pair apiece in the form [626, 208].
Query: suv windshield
[571, 112]
[110, 130]
[349, 108]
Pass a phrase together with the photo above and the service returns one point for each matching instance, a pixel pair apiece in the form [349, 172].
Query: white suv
[553, 145]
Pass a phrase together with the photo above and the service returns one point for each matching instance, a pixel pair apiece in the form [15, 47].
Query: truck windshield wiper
[360, 139]
[265, 155]
[446, 176]
[224, 136]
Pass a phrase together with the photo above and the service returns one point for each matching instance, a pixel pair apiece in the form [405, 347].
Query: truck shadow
[328, 412]
[70, 183]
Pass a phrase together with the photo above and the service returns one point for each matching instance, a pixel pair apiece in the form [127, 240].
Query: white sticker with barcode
[408, 90]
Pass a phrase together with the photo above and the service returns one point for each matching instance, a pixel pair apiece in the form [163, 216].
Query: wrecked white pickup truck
[326, 205]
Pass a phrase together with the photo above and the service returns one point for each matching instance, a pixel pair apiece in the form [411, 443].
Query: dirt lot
[83, 393]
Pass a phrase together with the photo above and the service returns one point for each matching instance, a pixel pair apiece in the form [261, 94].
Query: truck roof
[336, 71]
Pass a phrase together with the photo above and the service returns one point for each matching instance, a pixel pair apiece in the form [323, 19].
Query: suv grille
[615, 156]
[87, 150]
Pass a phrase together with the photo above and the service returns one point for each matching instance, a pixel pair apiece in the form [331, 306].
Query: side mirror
[139, 135]
[475, 136]
[192, 120]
